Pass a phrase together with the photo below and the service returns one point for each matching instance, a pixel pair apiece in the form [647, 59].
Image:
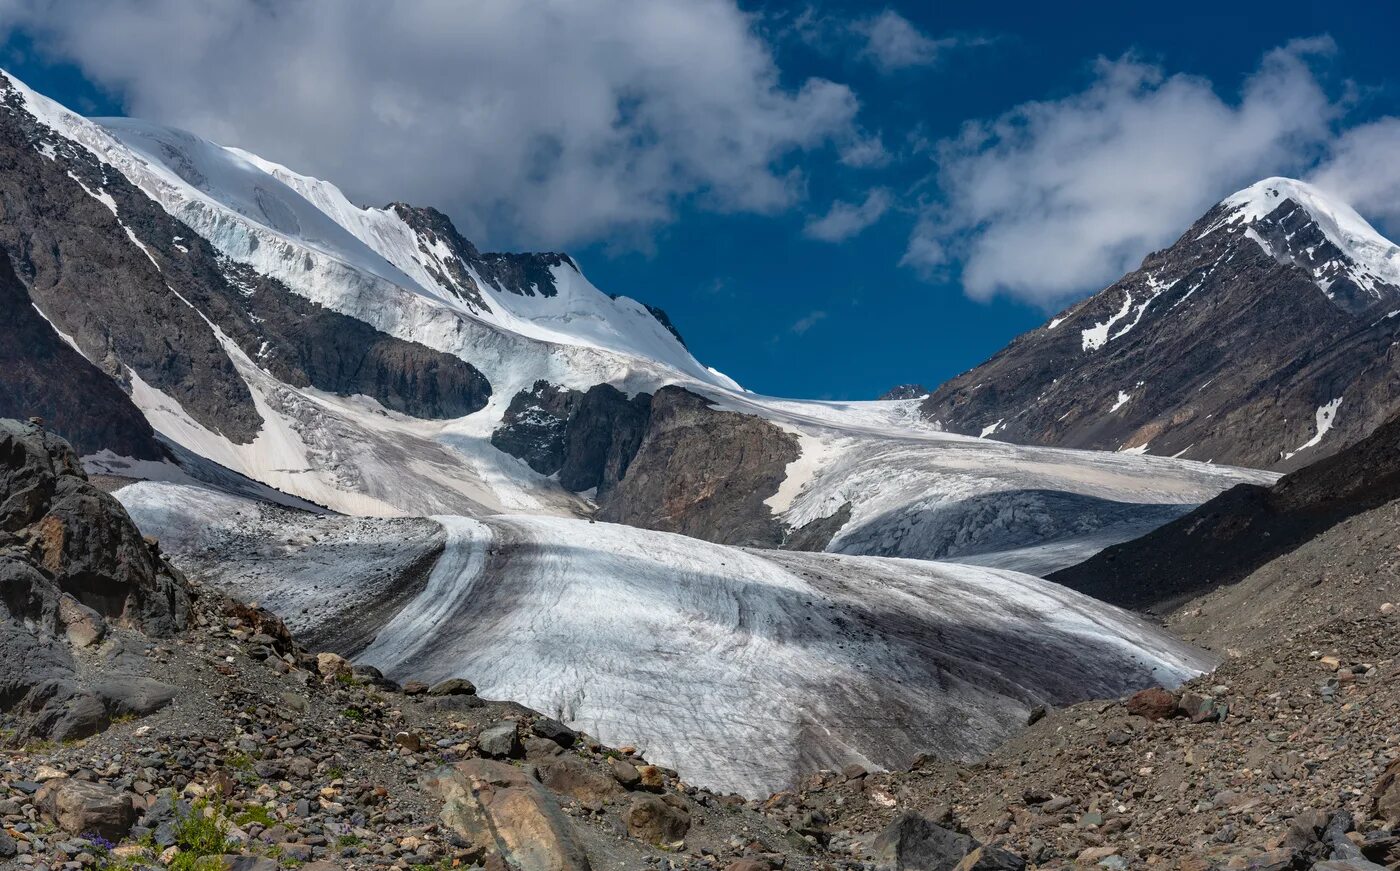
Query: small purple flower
[99, 842]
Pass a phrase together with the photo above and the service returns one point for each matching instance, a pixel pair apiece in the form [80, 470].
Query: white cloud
[845, 220]
[893, 43]
[1059, 197]
[807, 321]
[864, 151]
[1363, 167]
[546, 123]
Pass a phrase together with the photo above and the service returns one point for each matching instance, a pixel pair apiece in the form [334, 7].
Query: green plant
[353, 713]
[348, 841]
[239, 761]
[201, 832]
[256, 813]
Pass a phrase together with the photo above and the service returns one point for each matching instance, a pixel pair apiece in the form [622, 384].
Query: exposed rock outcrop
[71, 563]
[587, 437]
[670, 461]
[704, 472]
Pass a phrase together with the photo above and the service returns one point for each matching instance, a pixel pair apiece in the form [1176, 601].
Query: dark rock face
[96, 286]
[668, 461]
[71, 561]
[520, 274]
[141, 306]
[535, 426]
[308, 345]
[1243, 528]
[817, 534]
[705, 473]
[905, 391]
[589, 438]
[1213, 350]
[605, 433]
[41, 375]
[665, 321]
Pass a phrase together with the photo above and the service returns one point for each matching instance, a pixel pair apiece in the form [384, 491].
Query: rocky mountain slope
[1265, 336]
[375, 362]
[47, 377]
[741, 668]
[1236, 533]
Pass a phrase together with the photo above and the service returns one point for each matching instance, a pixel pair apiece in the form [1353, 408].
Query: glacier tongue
[740, 668]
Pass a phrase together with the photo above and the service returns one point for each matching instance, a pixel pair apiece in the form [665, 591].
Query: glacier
[743, 669]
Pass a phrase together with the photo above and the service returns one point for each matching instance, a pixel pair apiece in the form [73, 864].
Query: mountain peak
[1296, 222]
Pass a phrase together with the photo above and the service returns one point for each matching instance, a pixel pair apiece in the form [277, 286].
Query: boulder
[577, 780]
[501, 740]
[651, 778]
[79, 808]
[916, 843]
[455, 686]
[498, 811]
[1154, 703]
[653, 820]
[1386, 795]
[131, 695]
[626, 773]
[333, 665]
[554, 731]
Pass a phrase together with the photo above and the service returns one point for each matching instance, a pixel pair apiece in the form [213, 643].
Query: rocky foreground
[154, 723]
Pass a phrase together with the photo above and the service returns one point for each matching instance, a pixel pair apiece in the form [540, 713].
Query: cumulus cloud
[532, 122]
[1363, 168]
[845, 220]
[1058, 197]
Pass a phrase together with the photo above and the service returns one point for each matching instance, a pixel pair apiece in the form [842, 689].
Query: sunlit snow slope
[741, 668]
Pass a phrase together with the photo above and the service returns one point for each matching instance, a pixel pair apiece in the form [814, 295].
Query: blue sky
[976, 239]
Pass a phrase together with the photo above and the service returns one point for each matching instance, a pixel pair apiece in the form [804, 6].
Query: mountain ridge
[374, 361]
[1263, 337]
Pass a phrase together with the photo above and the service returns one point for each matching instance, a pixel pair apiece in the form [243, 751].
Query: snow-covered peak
[307, 233]
[1372, 259]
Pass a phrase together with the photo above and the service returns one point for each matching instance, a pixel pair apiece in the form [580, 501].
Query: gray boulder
[916, 843]
[79, 808]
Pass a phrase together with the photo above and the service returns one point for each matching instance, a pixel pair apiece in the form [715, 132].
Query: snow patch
[1326, 415]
